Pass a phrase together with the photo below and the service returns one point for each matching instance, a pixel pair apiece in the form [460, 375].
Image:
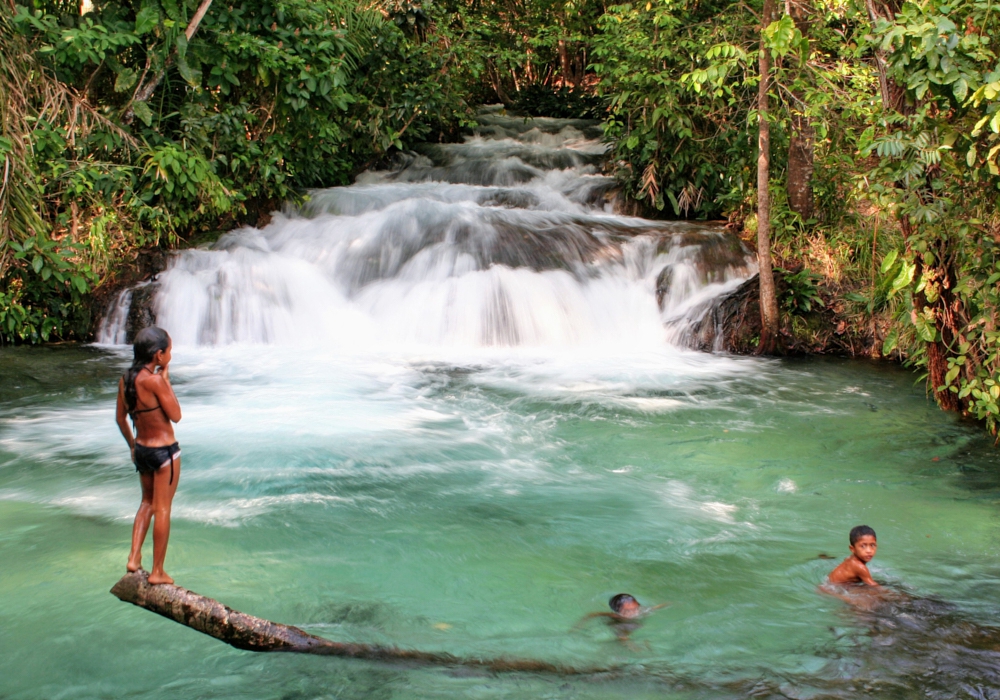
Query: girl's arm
[121, 417]
[165, 395]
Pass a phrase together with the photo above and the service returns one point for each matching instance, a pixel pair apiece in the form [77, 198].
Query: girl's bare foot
[161, 577]
[133, 566]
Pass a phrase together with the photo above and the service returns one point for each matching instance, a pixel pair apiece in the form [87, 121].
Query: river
[445, 409]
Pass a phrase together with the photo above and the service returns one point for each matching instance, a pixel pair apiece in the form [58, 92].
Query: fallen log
[257, 634]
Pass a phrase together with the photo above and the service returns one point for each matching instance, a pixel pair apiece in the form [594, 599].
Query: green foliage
[143, 137]
[937, 167]
[43, 290]
[679, 137]
[801, 294]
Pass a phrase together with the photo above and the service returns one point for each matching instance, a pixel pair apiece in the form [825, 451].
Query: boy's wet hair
[860, 531]
[618, 601]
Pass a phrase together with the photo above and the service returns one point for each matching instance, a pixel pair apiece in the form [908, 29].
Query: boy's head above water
[625, 605]
[863, 543]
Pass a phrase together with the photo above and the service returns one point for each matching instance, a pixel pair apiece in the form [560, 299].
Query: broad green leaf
[925, 329]
[905, 276]
[146, 20]
[144, 113]
[891, 341]
[125, 80]
[191, 77]
[961, 88]
[949, 377]
[889, 260]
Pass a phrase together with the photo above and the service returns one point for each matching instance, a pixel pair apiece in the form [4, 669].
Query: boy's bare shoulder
[848, 571]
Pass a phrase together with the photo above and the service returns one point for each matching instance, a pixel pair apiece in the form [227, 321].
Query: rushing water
[445, 409]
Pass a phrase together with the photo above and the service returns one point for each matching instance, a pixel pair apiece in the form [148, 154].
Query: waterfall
[507, 239]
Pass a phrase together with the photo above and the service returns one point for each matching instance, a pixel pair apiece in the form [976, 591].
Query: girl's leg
[141, 525]
[163, 497]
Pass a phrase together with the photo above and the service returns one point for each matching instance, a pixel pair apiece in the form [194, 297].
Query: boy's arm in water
[615, 617]
[591, 616]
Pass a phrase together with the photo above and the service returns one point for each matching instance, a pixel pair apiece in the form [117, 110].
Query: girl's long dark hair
[148, 342]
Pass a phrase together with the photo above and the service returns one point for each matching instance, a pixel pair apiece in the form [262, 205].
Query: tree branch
[144, 92]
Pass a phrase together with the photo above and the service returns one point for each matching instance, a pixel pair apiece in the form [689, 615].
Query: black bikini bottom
[149, 459]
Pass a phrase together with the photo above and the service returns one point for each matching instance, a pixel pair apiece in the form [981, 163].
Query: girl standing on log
[145, 396]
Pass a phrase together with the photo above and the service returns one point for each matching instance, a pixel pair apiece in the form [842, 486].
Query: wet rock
[509, 199]
[663, 281]
[712, 254]
[141, 313]
[148, 263]
[733, 324]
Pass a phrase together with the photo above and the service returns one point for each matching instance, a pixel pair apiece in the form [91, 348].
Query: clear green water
[481, 505]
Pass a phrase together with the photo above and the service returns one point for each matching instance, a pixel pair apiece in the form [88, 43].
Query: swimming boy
[624, 618]
[854, 569]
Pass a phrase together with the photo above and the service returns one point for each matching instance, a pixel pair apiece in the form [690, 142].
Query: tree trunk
[803, 136]
[256, 634]
[564, 63]
[893, 94]
[768, 300]
[800, 167]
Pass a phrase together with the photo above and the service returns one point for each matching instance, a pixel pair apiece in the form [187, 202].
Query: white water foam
[502, 241]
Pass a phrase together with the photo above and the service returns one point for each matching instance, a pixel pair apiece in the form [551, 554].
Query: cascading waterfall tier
[507, 239]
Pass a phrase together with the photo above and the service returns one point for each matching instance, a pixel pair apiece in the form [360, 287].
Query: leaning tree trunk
[768, 300]
[256, 634]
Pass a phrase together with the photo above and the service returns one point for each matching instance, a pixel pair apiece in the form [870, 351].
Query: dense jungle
[855, 145]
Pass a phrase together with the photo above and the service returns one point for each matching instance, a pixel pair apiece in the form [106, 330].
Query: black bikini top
[147, 410]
